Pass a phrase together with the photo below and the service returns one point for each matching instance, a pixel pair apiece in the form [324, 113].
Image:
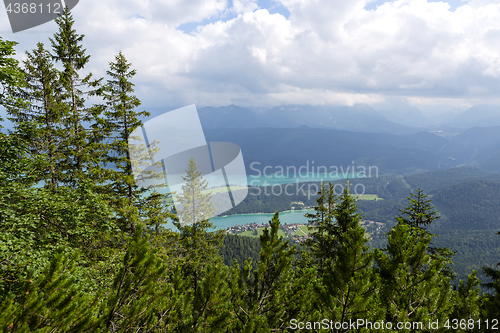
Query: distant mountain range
[359, 118]
[338, 135]
[392, 154]
[393, 117]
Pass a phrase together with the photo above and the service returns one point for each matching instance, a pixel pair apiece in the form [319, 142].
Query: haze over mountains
[395, 136]
[392, 154]
[393, 117]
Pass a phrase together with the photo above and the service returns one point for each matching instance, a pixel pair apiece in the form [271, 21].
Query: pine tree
[142, 298]
[51, 301]
[467, 301]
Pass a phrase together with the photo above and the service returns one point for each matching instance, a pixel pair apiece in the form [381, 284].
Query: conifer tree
[267, 298]
[120, 120]
[467, 302]
[419, 213]
[196, 203]
[50, 302]
[414, 286]
[198, 243]
[83, 146]
[142, 298]
[324, 230]
[348, 289]
[37, 223]
[43, 91]
[11, 76]
[197, 254]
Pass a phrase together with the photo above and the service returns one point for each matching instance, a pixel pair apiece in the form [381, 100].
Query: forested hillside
[467, 199]
[84, 249]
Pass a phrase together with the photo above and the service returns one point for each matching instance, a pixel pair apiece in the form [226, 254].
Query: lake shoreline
[285, 211]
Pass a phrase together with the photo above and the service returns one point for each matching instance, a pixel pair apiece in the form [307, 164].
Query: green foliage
[52, 301]
[348, 287]
[469, 206]
[89, 252]
[120, 120]
[266, 298]
[467, 300]
[196, 202]
[141, 294]
[43, 91]
[240, 248]
[82, 147]
[419, 213]
[414, 287]
[325, 232]
[11, 76]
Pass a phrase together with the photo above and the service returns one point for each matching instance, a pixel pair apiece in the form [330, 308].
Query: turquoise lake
[277, 179]
[270, 179]
[241, 219]
[288, 217]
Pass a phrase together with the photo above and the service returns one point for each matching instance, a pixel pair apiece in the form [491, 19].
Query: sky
[272, 52]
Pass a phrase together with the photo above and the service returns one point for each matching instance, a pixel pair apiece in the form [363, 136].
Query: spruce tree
[11, 76]
[120, 120]
[266, 299]
[348, 289]
[43, 92]
[414, 286]
[419, 213]
[83, 145]
[324, 230]
[197, 254]
[197, 205]
[36, 222]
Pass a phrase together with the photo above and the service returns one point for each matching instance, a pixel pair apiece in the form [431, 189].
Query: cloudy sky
[270, 52]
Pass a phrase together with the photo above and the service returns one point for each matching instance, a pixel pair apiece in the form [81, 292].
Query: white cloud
[327, 51]
[244, 6]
